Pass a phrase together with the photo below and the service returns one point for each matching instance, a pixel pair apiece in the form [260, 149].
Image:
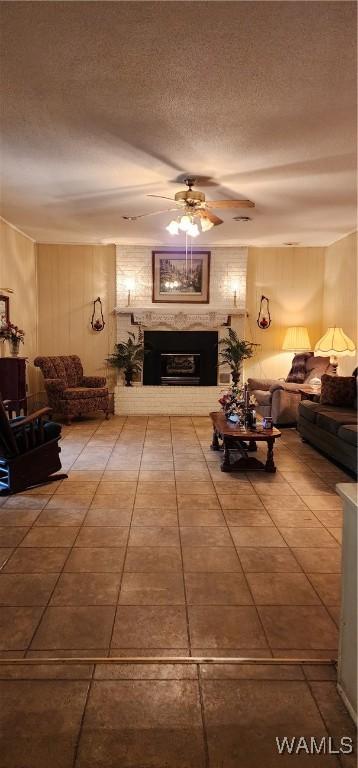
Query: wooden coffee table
[230, 437]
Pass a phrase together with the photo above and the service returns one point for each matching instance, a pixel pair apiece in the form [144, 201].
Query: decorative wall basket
[264, 317]
[97, 320]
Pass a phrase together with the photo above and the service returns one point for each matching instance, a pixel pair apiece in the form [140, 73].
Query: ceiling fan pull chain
[186, 255]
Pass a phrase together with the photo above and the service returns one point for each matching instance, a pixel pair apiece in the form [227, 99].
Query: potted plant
[234, 351]
[14, 335]
[128, 356]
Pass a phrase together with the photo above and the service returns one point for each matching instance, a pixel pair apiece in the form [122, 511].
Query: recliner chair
[29, 450]
[280, 398]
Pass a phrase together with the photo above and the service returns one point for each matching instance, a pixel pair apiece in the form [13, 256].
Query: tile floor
[148, 549]
[168, 715]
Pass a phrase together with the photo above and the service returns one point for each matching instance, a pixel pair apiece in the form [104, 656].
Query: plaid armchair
[69, 392]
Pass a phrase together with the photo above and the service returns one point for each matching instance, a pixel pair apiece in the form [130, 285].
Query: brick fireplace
[185, 358]
[182, 338]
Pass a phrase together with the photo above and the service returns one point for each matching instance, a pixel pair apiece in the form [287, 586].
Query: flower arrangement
[232, 401]
[236, 401]
[13, 334]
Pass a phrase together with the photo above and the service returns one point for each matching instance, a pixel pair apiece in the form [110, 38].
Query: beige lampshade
[296, 339]
[335, 342]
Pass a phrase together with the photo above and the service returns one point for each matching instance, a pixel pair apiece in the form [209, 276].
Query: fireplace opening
[180, 357]
[180, 368]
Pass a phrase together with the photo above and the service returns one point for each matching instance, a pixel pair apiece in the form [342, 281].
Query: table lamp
[336, 344]
[296, 339]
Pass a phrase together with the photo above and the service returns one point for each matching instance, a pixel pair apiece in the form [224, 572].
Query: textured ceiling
[104, 103]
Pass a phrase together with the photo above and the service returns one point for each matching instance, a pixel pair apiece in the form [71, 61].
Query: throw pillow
[338, 390]
[297, 373]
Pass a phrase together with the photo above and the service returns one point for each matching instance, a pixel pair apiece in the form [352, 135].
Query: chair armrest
[287, 386]
[54, 385]
[21, 422]
[93, 381]
[263, 384]
[30, 429]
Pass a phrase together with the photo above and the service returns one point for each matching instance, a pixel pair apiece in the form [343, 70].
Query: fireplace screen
[180, 368]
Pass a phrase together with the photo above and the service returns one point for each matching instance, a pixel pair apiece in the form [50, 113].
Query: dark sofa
[332, 429]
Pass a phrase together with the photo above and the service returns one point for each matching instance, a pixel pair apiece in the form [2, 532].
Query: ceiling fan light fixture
[184, 223]
[173, 227]
[193, 230]
[206, 224]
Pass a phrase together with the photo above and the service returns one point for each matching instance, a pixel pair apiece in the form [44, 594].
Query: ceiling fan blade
[203, 214]
[230, 204]
[153, 213]
[162, 197]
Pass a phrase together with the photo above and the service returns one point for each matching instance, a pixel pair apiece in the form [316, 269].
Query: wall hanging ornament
[97, 320]
[264, 317]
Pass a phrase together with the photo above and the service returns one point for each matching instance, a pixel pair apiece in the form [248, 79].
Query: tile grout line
[181, 548]
[47, 605]
[203, 720]
[323, 718]
[242, 569]
[78, 740]
[126, 546]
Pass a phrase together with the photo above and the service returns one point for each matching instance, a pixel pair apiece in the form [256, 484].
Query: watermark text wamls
[314, 746]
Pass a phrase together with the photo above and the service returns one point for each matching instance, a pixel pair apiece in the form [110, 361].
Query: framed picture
[4, 310]
[180, 277]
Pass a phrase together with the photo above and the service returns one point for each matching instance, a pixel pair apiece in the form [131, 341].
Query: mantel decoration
[234, 352]
[181, 276]
[97, 320]
[14, 335]
[128, 356]
[180, 320]
[264, 317]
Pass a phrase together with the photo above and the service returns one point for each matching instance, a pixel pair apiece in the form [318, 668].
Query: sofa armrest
[263, 384]
[54, 385]
[284, 404]
[288, 386]
[93, 381]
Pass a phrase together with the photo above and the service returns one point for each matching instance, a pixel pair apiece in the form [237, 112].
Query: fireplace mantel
[180, 320]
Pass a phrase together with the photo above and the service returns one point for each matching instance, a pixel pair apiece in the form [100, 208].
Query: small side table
[13, 382]
[310, 393]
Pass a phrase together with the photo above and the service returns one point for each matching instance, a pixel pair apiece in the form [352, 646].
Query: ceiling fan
[192, 203]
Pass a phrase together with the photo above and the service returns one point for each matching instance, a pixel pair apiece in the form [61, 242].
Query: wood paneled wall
[18, 272]
[70, 277]
[340, 293]
[306, 286]
[292, 278]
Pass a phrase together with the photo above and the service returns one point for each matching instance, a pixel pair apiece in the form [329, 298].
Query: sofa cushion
[263, 396]
[349, 433]
[331, 421]
[338, 390]
[83, 393]
[308, 410]
[297, 373]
